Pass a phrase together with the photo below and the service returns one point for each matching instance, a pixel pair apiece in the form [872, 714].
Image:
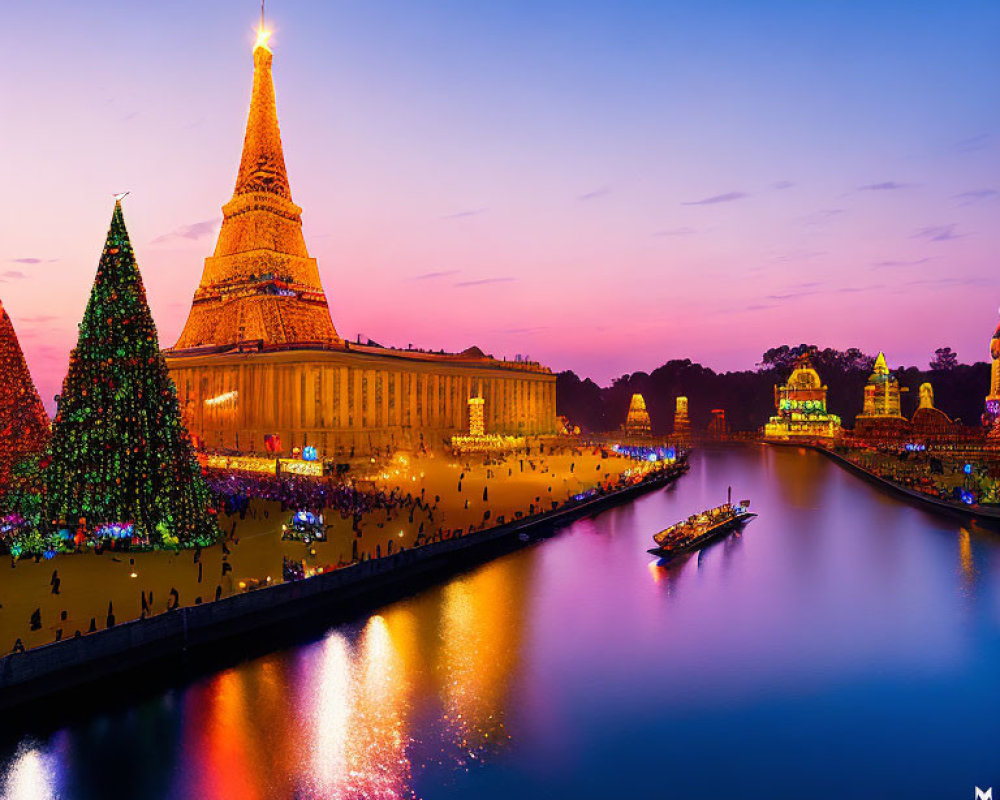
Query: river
[845, 645]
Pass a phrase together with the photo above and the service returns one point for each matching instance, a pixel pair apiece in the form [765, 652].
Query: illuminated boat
[700, 529]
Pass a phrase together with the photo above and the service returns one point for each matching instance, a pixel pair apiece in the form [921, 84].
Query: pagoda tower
[993, 398]
[260, 285]
[682, 425]
[881, 417]
[637, 423]
[881, 392]
[24, 425]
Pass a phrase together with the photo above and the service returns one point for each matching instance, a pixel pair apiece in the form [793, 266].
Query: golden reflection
[359, 746]
[338, 724]
[478, 652]
[966, 563]
[275, 731]
[378, 741]
[333, 713]
[29, 777]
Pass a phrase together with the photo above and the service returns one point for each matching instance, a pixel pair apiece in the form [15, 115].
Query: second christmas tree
[120, 463]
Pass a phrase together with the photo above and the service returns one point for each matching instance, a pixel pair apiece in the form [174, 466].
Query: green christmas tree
[120, 463]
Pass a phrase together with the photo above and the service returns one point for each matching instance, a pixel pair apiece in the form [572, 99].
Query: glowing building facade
[882, 392]
[259, 365]
[881, 416]
[801, 408]
[637, 423]
[682, 424]
[993, 398]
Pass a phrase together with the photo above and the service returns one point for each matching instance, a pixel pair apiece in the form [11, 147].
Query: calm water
[845, 646]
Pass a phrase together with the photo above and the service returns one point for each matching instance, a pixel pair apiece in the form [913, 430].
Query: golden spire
[260, 284]
[262, 167]
[881, 367]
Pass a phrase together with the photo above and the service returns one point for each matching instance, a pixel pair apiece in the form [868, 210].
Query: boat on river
[700, 529]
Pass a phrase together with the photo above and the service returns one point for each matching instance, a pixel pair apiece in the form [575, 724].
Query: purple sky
[601, 186]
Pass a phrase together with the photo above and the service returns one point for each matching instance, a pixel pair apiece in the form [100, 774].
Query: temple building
[931, 427]
[801, 408]
[637, 422]
[929, 424]
[682, 425]
[260, 367]
[992, 417]
[718, 426]
[881, 416]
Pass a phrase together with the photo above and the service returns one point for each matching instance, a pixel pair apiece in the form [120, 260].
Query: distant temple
[637, 423]
[801, 408]
[718, 427]
[931, 425]
[882, 415]
[682, 425]
[260, 367]
[992, 416]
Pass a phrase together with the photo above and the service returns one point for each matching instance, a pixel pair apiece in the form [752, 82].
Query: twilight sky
[600, 185]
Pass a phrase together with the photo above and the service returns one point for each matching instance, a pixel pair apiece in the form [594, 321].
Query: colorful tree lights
[119, 453]
[24, 425]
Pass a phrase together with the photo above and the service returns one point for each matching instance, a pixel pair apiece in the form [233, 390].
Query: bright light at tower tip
[262, 36]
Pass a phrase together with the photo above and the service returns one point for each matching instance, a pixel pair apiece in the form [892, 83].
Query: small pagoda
[682, 424]
[637, 422]
[881, 417]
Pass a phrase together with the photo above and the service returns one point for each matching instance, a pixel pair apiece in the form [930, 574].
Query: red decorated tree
[120, 463]
[24, 425]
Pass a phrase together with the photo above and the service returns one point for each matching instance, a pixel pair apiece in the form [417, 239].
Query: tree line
[747, 396]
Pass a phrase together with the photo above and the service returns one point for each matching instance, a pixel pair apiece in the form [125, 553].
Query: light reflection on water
[841, 627]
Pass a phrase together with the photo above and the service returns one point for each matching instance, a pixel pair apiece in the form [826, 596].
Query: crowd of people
[396, 509]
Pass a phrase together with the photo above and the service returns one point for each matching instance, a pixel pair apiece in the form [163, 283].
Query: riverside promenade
[990, 514]
[230, 623]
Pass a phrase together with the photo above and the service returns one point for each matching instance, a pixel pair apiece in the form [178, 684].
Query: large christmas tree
[120, 463]
[24, 425]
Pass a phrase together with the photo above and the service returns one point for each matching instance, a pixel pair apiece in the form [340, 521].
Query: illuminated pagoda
[477, 423]
[881, 416]
[682, 425]
[801, 408]
[477, 440]
[992, 416]
[24, 425]
[260, 367]
[261, 283]
[637, 421]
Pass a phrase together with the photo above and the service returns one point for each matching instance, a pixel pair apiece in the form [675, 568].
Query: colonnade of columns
[340, 405]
